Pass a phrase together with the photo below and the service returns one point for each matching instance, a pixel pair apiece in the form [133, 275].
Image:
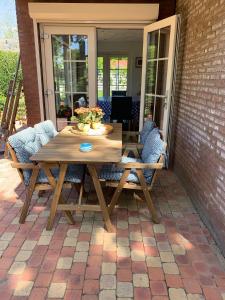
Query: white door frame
[48, 78]
[172, 22]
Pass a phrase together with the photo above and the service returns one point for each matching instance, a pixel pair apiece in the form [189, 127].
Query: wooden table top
[65, 148]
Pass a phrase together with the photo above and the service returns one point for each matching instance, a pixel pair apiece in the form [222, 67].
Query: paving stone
[163, 246]
[170, 268]
[57, 290]
[44, 240]
[80, 256]
[7, 236]
[159, 228]
[153, 261]
[108, 268]
[70, 242]
[31, 218]
[107, 295]
[137, 255]
[23, 288]
[124, 289]
[48, 232]
[3, 245]
[122, 224]
[177, 294]
[133, 220]
[167, 256]
[136, 236]
[64, 263]
[123, 251]
[17, 268]
[140, 280]
[29, 245]
[86, 228]
[82, 246]
[122, 241]
[108, 282]
[196, 297]
[149, 241]
[73, 233]
[23, 255]
[178, 249]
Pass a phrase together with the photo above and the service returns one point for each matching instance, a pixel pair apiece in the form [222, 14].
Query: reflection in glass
[79, 47]
[159, 112]
[164, 42]
[79, 76]
[161, 77]
[149, 106]
[152, 45]
[150, 77]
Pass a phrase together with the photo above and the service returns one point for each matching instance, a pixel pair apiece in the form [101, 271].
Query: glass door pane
[70, 64]
[157, 72]
[70, 73]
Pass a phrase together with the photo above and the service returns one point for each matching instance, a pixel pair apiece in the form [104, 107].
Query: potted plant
[96, 117]
[83, 117]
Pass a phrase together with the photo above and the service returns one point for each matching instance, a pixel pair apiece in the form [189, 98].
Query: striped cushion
[45, 131]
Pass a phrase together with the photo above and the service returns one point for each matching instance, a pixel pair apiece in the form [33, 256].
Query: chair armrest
[131, 133]
[24, 165]
[138, 165]
[132, 146]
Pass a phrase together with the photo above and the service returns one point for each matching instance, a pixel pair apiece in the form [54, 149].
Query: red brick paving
[181, 234]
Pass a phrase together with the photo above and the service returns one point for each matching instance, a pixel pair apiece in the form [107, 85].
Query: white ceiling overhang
[94, 12]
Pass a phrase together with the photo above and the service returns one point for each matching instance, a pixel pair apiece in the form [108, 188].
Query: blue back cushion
[147, 128]
[25, 143]
[45, 131]
[152, 150]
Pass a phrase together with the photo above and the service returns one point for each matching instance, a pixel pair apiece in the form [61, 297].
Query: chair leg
[148, 198]
[29, 194]
[118, 191]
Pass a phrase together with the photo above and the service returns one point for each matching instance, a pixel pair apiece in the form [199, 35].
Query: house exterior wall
[199, 153]
[27, 49]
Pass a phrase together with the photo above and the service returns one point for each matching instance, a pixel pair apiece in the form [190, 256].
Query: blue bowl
[85, 147]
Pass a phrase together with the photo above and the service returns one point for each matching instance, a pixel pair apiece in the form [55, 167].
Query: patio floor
[174, 260]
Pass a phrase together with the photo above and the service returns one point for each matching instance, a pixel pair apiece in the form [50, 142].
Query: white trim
[172, 22]
[94, 12]
[38, 65]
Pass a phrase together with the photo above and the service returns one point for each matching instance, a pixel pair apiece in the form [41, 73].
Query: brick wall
[199, 156]
[27, 50]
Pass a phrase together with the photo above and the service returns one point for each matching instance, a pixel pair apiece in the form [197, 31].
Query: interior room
[119, 55]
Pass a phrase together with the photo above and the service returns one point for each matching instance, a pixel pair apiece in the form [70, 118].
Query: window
[100, 76]
[118, 73]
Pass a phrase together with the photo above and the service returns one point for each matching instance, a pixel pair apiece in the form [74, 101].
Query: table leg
[53, 183]
[101, 198]
[56, 196]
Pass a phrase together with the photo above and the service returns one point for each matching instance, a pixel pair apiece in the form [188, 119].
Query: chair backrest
[149, 125]
[152, 151]
[45, 131]
[121, 108]
[119, 93]
[24, 143]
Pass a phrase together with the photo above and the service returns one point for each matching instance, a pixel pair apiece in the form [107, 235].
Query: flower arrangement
[87, 117]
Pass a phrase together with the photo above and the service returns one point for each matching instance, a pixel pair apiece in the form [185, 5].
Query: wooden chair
[37, 178]
[130, 174]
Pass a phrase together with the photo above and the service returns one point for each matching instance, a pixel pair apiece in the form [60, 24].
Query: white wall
[130, 49]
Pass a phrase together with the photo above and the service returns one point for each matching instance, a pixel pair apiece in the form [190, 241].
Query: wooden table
[64, 149]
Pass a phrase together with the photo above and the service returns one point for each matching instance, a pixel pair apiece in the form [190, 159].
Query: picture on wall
[138, 62]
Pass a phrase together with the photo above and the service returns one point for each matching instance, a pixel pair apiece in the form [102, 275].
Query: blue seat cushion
[25, 143]
[152, 150]
[147, 128]
[74, 174]
[45, 131]
[113, 173]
